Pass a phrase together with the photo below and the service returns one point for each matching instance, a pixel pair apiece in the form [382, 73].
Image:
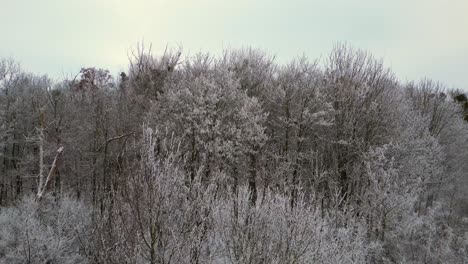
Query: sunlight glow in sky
[419, 38]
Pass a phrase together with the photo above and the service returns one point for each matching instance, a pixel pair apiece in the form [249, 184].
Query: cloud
[416, 38]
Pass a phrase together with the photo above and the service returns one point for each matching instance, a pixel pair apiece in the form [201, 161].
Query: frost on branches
[232, 159]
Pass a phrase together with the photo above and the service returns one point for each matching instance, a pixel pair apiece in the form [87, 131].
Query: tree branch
[42, 189]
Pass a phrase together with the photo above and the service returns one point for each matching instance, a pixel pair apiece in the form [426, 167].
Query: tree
[219, 124]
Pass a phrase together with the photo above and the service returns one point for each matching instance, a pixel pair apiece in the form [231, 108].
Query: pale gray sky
[417, 38]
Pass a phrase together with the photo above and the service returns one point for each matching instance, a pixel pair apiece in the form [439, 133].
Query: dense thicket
[232, 159]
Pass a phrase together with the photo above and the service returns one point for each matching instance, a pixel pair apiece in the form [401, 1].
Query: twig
[111, 139]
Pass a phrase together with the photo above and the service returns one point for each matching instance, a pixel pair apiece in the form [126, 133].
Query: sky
[416, 39]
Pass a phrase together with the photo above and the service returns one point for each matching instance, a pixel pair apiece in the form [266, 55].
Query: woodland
[233, 158]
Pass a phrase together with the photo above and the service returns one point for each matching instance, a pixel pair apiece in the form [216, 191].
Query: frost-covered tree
[44, 232]
[221, 127]
[240, 160]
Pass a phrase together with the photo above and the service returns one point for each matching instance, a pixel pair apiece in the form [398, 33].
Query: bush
[44, 231]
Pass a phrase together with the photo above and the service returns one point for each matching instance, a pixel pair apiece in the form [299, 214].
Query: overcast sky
[423, 38]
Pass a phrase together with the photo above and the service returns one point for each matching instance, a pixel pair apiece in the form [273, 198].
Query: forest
[233, 158]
